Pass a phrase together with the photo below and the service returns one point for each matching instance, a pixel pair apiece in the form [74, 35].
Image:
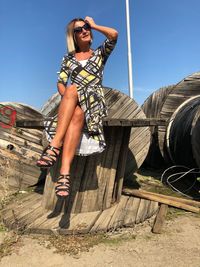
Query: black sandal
[63, 185]
[49, 159]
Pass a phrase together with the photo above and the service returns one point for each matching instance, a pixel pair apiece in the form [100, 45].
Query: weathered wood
[160, 218]
[117, 219]
[92, 189]
[169, 202]
[102, 223]
[132, 207]
[39, 124]
[142, 211]
[121, 166]
[15, 216]
[179, 199]
[17, 172]
[81, 223]
[152, 108]
[19, 149]
[153, 208]
[28, 215]
[116, 146]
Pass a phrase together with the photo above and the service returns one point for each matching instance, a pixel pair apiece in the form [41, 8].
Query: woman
[79, 129]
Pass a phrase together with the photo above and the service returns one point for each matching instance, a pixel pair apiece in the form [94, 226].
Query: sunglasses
[86, 27]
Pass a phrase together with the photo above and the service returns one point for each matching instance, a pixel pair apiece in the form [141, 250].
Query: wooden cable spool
[152, 108]
[179, 135]
[96, 185]
[179, 140]
[19, 148]
[120, 106]
[184, 90]
[96, 202]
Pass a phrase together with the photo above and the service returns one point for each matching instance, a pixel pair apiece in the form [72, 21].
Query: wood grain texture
[152, 108]
[19, 150]
[160, 219]
[28, 215]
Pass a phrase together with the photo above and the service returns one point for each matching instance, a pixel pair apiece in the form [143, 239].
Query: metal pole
[129, 50]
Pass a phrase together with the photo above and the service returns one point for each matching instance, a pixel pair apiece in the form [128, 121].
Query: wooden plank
[162, 200]
[34, 227]
[153, 208]
[115, 146]
[19, 143]
[18, 204]
[132, 207]
[39, 123]
[102, 171]
[103, 221]
[27, 215]
[81, 223]
[18, 207]
[57, 222]
[34, 136]
[15, 217]
[117, 219]
[121, 166]
[179, 199]
[88, 190]
[78, 169]
[142, 211]
[160, 218]
[49, 198]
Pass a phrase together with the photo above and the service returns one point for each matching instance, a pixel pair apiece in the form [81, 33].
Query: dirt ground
[178, 245]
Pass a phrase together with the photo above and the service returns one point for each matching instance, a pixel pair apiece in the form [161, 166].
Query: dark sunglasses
[86, 27]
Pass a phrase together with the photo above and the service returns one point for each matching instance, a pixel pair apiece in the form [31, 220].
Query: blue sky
[165, 44]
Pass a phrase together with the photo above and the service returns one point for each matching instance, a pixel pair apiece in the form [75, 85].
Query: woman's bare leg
[71, 141]
[65, 112]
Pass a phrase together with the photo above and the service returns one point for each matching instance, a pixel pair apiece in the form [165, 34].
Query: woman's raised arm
[110, 33]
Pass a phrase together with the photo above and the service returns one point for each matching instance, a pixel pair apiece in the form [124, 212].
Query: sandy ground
[178, 245]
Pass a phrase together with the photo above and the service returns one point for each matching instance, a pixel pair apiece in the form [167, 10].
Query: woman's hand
[110, 33]
[90, 21]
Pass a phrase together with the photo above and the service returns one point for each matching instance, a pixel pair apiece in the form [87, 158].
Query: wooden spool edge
[32, 218]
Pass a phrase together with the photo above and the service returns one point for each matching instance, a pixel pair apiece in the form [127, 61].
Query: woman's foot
[48, 157]
[63, 185]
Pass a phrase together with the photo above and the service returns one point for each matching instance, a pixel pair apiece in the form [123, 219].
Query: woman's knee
[71, 92]
[78, 117]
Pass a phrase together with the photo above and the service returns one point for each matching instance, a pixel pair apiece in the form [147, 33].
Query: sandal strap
[52, 148]
[48, 158]
[63, 186]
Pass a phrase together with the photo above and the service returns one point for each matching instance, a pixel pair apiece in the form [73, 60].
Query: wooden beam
[179, 199]
[160, 218]
[160, 199]
[39, 123]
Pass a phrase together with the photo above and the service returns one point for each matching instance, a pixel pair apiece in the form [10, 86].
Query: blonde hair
[72, 46]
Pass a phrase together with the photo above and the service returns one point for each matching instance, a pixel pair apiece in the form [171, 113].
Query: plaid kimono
[88, 80]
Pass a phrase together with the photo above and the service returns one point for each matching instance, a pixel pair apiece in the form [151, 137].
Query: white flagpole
[129, 50]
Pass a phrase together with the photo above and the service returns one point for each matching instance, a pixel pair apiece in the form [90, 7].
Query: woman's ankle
[64, 171]
[56, 144]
